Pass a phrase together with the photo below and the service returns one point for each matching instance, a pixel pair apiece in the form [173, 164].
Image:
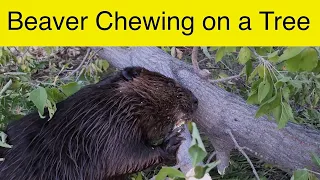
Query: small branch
[203, 73]
[80, 65]
[227, 67]
[88, 62]
[216, 68]
[95, 52]
[225, 79]
[15, 73]
[243, 153]
[194, 58]
[260, 58]
[211, 156]
[57, 76]
[314, 172]
[92, 56]
[266, 63]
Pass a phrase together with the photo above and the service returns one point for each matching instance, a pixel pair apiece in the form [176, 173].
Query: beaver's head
[157, 102]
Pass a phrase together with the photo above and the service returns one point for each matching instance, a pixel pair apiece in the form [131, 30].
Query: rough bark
[289, 148]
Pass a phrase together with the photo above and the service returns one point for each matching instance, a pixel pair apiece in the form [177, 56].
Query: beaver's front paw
[171, 145]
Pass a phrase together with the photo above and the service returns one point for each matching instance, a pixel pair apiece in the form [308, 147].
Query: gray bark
[289, 148]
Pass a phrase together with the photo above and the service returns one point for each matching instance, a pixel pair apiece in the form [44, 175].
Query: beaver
[105, 131]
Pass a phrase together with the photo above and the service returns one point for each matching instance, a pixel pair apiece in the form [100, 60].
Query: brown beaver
[104, 131]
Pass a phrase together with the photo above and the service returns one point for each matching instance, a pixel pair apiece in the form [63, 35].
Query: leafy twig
[93, 54]
[260, 58]
[57, 76]
[265, 63]
[90, 59]
[243, 153]
[80, 65]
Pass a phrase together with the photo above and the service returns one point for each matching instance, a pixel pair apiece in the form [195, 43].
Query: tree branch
[194, 58]
[289, 148]
[225, 79]
[80, 65]
[243, 153]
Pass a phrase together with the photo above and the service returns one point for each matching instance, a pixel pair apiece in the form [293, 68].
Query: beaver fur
[104, 131]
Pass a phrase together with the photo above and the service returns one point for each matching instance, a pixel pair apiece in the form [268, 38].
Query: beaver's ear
[131, 72]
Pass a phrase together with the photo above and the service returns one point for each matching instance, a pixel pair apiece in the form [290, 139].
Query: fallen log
[221, 112]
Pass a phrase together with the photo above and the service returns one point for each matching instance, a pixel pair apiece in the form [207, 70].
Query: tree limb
[289, 148]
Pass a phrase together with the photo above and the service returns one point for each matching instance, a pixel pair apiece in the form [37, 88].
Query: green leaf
[39, 98]
[244, 55]
[277, 113]
[307, 60]
[169, 172]
[259, 69]
[263, 51]
[3, 142]
[286, 115]
[285, 93]
[300, 174]
[269, 105]
[230, 49]
[139, 176]
[283, 119]
[51, 108]
[291, 52]
[200, 171]
[70, 88]
[253, 98]
[206, 52]
[197, 150]
[253, 95]
[220, 53]
[288, 110]
[273, 57]
[285, 79]
[166, 49]
[263, 91]
[248, 68]
[197, 154]
[213, 48]
[102, 64]
[271, 90]
[316, 159]
[54, 95]
[296, 83]
[317, 69]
